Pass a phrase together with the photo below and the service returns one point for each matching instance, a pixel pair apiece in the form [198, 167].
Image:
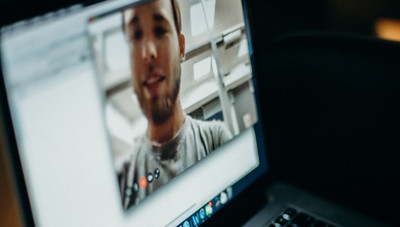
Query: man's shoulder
[206, 124]
[213, 128]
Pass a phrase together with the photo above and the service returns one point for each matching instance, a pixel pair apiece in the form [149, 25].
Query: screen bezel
[11, 152]
[251, 188]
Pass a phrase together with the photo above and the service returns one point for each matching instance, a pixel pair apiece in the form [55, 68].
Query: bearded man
[173, 140]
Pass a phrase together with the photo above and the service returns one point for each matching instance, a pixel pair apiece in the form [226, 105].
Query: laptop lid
[115, 119]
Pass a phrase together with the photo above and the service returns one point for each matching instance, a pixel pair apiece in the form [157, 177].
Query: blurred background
[363, 17]
[274, 18]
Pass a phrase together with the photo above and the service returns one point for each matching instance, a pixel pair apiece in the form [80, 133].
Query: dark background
[311, 144]
[332, 127]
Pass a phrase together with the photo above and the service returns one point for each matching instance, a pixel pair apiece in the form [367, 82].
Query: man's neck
[166, 131]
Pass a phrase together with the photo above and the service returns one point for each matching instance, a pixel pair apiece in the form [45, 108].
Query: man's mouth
[153, 80]
[152, 84]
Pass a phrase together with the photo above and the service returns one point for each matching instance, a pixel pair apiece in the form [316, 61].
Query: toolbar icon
[195, 219]
[202, 213]
[143, 182]
[209, 209]
[150, 177]
[157, 173]
[186, 224]
[224, 198]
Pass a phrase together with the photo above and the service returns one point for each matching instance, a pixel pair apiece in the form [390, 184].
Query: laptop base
[281, 196]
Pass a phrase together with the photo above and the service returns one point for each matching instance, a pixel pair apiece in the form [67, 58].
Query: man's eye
[137, 35]
[159, 31]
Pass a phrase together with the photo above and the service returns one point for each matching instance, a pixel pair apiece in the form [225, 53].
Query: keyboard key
[290, 212]
[292, 218]
[303, 220]
[280, 220]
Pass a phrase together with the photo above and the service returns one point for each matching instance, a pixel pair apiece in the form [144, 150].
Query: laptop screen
[140, 113]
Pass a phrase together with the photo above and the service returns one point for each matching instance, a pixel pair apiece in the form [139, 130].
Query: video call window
[176, 89]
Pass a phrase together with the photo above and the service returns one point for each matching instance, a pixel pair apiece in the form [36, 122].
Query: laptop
[83, 119]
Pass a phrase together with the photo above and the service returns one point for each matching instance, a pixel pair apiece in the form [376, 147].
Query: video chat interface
[216, 81]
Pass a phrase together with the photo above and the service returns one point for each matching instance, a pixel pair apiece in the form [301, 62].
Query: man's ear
[182, 44]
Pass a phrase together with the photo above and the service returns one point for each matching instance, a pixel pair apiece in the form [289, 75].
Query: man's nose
[149, 51]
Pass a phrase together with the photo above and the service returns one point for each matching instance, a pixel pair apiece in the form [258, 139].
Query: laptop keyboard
[291, 217]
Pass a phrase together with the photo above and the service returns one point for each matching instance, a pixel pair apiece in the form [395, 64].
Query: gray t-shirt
[152, 165]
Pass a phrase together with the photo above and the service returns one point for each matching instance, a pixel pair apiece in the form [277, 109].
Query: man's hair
[177, 15]
[176, 12]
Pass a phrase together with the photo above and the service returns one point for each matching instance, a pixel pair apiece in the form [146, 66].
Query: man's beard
[162, 108]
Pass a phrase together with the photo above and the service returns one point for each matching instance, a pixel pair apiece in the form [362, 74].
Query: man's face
[156, 50]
